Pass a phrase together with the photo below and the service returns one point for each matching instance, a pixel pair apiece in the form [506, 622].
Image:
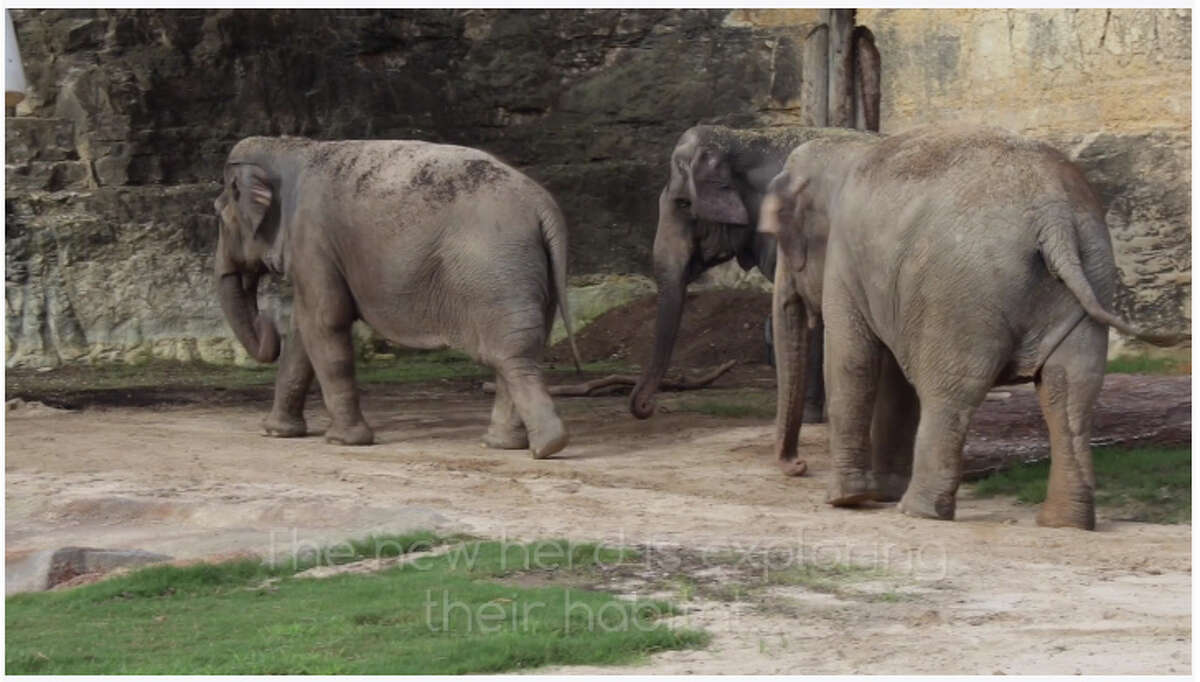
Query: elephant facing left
[431, 245]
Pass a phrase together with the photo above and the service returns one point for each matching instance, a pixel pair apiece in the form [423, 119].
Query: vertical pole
[866, 78]
[814, 86]
[841, 67]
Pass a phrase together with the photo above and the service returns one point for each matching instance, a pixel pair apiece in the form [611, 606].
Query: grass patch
[418, 366]
[442, 614]
[150, 374]
[750, 577]
[734, 405]
[831, 578]
[1147, 484]
[1150, 364]
[406, 367]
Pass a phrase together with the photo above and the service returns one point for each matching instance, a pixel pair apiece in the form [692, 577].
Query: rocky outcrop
[113, 157]
[1143, 180]
[1110, 87]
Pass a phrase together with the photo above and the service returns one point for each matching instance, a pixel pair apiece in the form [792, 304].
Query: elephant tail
[554, 236]
[1060, 248]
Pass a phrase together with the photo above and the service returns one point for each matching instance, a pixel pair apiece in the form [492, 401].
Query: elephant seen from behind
[944, 261]
[431, 245]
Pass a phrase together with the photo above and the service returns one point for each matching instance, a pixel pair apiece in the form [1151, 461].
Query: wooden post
[841, 66]
[814, 84]
[866, 78]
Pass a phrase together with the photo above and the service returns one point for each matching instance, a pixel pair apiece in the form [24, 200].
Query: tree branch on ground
[613, 383]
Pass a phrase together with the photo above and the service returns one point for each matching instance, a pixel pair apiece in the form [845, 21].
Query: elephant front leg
[286, 419]
[893, 431]
[506, 431]
[325, 327]
[853, 374]
[814, 390]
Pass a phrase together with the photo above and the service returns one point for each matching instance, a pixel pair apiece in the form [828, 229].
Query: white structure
[14, 73]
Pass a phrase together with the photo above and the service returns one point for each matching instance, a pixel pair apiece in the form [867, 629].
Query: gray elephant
[945, 262]
[707, 213]
[431, 245]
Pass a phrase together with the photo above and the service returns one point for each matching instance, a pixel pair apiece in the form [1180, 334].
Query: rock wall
[113, 159]
[1110, 87]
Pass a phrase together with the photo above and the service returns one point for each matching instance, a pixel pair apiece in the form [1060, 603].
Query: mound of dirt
[718, 326]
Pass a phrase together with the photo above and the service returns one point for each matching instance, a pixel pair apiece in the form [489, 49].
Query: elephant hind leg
[893, 431]
[527, 390]
[937, 460]
[506, 431]
[1068, 385]
[948, 399]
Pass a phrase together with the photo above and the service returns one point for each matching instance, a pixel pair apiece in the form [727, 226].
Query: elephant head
[249, 217]
[706, 216]
[792, 213]
[800, 230]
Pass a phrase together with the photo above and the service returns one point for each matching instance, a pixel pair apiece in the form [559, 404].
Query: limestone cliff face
[113, 159]
[1111, 88]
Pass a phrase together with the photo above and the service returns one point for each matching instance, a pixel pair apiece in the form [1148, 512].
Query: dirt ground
[717, 326]
[187, 474]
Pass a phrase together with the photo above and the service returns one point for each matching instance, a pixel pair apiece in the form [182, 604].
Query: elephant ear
[715, 196]
[791, 204]
[252, 192]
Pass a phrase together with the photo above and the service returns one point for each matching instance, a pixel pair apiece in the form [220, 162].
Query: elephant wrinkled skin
[948, 261]
[706, 216]
[431, 245]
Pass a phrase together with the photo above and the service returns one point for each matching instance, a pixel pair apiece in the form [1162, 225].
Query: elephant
[431, 245]
[944, 261]
[707, 214]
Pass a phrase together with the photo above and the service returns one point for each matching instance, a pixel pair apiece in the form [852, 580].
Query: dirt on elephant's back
[718, 326]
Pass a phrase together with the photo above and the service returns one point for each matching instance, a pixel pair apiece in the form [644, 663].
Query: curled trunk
[239, 301]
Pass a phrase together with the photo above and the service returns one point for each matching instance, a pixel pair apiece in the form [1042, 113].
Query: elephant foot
[284, 426]
[545, 442]
[888, 486]
[849, 489]
[357, 434]
[510, 439]
[927, 506]
[814, 413]
[1081, 515]
[793, 467]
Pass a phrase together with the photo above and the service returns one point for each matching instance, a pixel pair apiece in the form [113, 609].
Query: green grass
[436, 615]
[406, 367]
[737, 405]
[1150, 364]
[828, 578]
[418, 366]
[1150, 484]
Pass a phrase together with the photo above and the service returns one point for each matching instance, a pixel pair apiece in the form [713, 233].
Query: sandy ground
[988, 593]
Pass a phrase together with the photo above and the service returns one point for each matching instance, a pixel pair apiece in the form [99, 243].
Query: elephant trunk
[239, 301]
[789, 321]
[671, 292]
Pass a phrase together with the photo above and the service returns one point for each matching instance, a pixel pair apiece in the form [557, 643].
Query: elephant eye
[683, 203]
